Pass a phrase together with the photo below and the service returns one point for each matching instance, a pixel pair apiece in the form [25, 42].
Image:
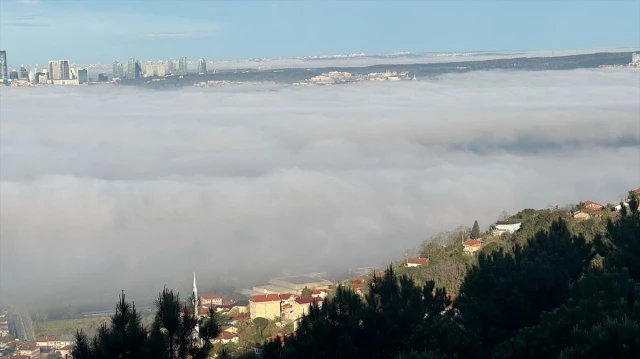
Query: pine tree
[475, 230]
[81, 348]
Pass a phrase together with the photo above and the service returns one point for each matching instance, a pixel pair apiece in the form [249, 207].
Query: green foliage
[261, 323]
[475, 230]
[306, 292]
[506, 292]
[576, 329]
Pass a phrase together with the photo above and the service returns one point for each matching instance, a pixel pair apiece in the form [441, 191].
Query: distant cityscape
[61, 72]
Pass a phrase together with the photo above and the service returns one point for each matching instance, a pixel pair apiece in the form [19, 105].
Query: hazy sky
[109, 187]
[92, 31]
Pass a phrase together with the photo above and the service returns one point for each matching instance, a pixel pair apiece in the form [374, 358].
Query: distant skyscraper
[23, 74]
[171, 67]
[182, 66]
[117, 71]
[149, 71]
[54, 70]
[33, 75]
[82, 76]
[13, 75]
[138, 69]
[160, 69]
[202, 66]
[65, 72]
[131, 68]
[635, 58]
[4, 73]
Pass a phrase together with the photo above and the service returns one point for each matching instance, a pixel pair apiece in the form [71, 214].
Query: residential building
[635, 58]
[471, 246]
[209, 299]
[171, 67]
[29, 349]
[502, 227]
[416, 262]
[301, 306]
[132, 69]
[65, 72]
[4, 72]
[13, 75]
[149, 71]
[319, 293]
[581, 215]
[202, 66]
[182, 66]
[265, 306]
[54, 70]
[160, 68]
[225, 338]
[592, 205]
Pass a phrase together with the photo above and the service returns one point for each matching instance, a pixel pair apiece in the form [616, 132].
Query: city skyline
[217, 31]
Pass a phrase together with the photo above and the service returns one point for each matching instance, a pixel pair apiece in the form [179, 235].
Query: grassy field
[89, 325]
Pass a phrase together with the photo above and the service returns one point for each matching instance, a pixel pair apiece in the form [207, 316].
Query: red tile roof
[265, 298]
[592, 205]
[637, 190]
[203, 311]
[357, 281]
[472, 243]
[210, 296]
[308, 300]
[287, 296]
[418, 260]
[318, 291]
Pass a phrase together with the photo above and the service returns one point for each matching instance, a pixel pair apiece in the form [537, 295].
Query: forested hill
[557, 288]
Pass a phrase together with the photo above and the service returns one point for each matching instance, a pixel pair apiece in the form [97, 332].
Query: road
[27, 325]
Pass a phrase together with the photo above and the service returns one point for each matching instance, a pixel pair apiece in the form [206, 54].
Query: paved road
[28, 325]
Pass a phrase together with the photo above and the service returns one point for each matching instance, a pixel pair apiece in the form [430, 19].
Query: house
[580, 215]
[44, 352]
[416, 262]
[502, 227]
[471, 246]
[301, 306]
[229, 329]
[225, 337]
[241, 306]
[208, 299]
[319, 293]
[592, 205]
[30, 349]
[265, 306]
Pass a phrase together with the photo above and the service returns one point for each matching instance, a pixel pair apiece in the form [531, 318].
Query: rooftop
[265, 298]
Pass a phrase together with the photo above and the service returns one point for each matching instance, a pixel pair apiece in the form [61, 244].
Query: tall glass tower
[4, 73]
[182, 66]
[202, 66]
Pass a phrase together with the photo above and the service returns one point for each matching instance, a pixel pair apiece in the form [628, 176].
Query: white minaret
[196, 332]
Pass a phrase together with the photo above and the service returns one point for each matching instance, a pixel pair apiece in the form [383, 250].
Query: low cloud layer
[106, 188]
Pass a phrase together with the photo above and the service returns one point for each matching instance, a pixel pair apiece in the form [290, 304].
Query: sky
[109, 188]
[103, 31]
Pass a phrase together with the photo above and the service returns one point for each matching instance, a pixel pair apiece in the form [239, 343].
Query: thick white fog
[109, 187]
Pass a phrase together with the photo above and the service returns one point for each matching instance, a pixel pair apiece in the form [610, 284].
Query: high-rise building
[4, 73]
[182, 66]
[65, 71]
[635, 58]
[23, 74]
[82, 76]
[33, 75]
[13, 75]
[171, 67]
[202, 66]
[117, 72]
[160, 69]
[131, 68]
[54, 70]
[149, 71]
[138, 69]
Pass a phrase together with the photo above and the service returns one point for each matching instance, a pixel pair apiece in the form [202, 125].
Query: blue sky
[104, 31]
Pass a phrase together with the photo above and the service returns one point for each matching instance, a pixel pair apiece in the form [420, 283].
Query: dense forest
[556, 288]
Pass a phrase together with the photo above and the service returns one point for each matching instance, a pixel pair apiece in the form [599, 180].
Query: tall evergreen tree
[475, 230]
